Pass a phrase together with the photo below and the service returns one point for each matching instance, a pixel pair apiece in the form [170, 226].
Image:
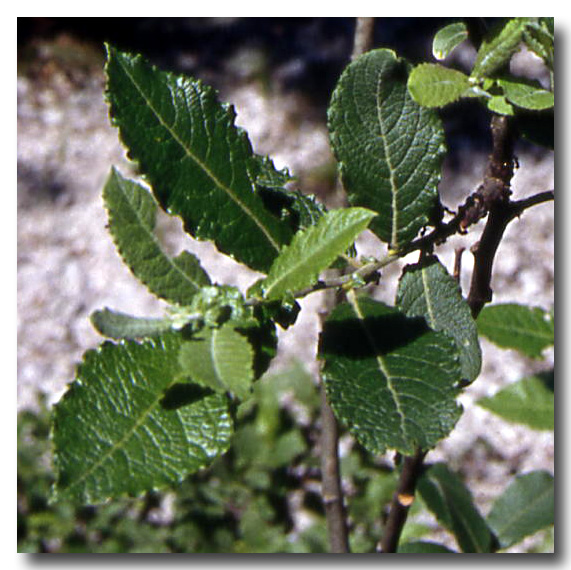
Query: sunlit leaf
[529, 330]
[131, 422]
[388, 147]
[200, 165]
[433, 85]
[389, 377]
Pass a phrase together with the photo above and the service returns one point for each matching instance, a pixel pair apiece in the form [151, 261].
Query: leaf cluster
[167, 397]
[490, 79]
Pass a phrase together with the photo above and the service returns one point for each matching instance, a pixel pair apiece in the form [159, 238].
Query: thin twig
[363, 40]
[330, 473]
[499, 173]
[403, 498]
[519, 206]
[458, 264]
[492, 197]
[331, 489]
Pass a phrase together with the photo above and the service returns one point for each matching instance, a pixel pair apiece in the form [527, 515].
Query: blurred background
[279, 74]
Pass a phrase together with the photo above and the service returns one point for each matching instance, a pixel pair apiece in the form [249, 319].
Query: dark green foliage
[181, 399]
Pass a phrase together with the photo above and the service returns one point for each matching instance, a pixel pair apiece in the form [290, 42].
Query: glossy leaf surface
[200, 165]
[527, 95]
[313, 250]
[132, 212]
[388, 147]
[220, 359]
[389, 377]
[447, 39]
[427, 289]
[497, 49]
[433, 85]
[131, 422]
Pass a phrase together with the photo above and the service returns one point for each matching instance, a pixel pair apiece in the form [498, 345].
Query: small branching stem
[331, 489]
[363, 40]
[496, 199]
[491, 198]
[412, 468]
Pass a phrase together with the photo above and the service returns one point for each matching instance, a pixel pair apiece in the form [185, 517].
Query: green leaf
[529, 401]
[524, 508]
[216, 305]
[313, 250]
[497, 50]
[528, 330]
[499, 104]
[539, 38]
[423, 547]
[131, 422]
[427, 290]
[200, 165]
[527, 95]
[389, 377]
[447, 39]
[433, 85]
[451, 502]
[389, 148]
[298, 210]
[269, 176]
[132, 212]
[220, 359]
[117, 325]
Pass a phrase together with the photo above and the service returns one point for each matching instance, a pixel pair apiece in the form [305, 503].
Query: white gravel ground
[68, 267]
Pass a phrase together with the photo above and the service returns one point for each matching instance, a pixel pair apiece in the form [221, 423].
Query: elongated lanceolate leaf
[131, 422]
[313, 250]
[427, 290]
[220, 359]
[497, 50]
[528, 330]
[389, 148]
[389, 377]
[529, 401]
[448, 38]
[132, 211]
[451, 502]
[525, 507]
[200, 165]
[117, 325]
[538, 37]
[433, 85]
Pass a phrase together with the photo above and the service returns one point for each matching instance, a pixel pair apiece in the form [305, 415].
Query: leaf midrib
[510, 521]
[352, 299]
[226, 189]
[128, 434]
[394, 190]
[522, 331]
[307, 260]
[458, 515]
[196, 287]
[429, 308]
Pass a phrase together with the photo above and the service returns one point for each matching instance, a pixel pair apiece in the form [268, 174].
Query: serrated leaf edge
[188, 151]
[152, 237]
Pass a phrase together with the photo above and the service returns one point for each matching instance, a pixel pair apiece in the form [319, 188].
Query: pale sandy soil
[67, 265]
